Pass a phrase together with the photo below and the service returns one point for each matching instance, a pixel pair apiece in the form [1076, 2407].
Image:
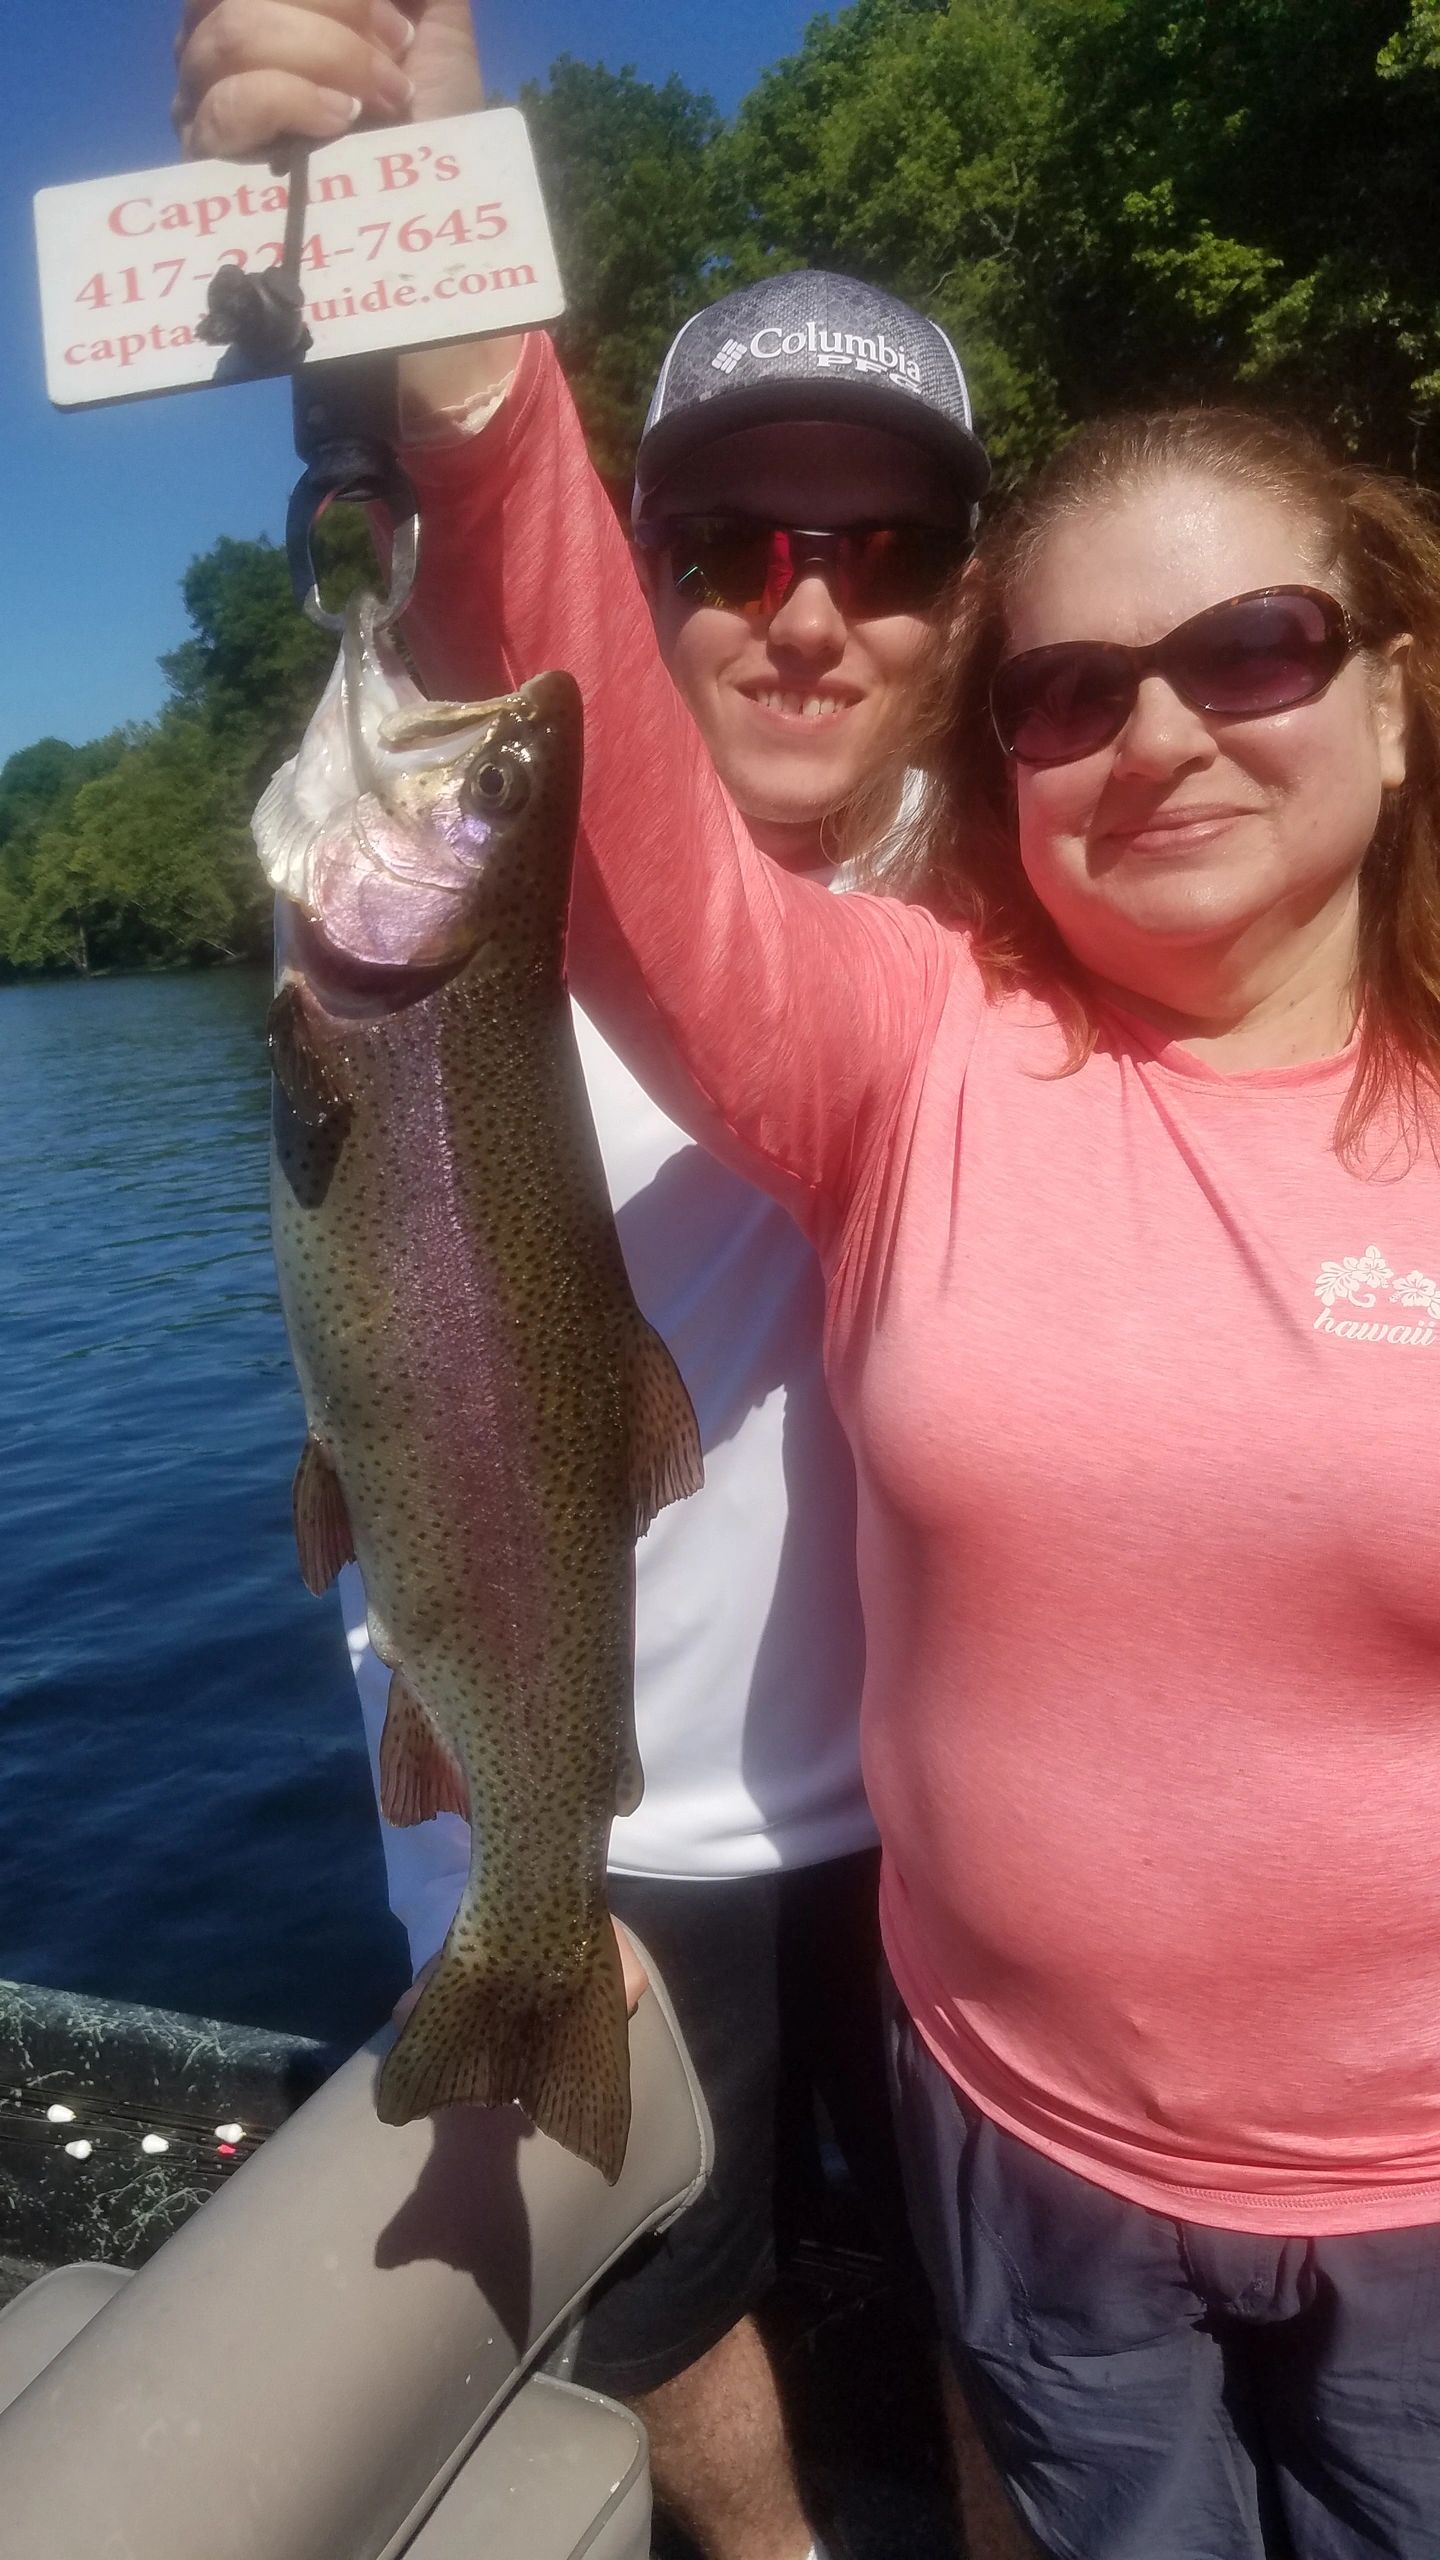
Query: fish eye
[499, 786]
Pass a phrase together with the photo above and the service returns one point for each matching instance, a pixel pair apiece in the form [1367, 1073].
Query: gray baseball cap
[809, 346]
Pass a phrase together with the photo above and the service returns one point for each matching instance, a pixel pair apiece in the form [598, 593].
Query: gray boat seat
[45, 2317]
[304, 2370]
[560, 2473]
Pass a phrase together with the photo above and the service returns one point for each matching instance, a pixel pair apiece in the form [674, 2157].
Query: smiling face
[797, 710]
[1194, 839]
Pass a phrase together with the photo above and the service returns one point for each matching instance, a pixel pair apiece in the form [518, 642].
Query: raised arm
[252, 75]
[778, 1020]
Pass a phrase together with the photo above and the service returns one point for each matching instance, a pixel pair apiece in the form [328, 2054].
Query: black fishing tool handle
[346, 415]
[346, 427]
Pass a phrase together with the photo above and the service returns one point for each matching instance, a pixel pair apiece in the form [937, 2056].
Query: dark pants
[774, 1981]
[1157, 2390]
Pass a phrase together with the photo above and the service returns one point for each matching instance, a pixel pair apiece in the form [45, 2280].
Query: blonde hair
[1380, 540]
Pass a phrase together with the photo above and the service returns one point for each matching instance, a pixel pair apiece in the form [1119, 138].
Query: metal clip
[364, 471]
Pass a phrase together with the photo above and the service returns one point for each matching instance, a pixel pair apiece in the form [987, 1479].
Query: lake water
[185, 1810]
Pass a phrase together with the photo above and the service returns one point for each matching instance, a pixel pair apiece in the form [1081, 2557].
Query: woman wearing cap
[749, 1871]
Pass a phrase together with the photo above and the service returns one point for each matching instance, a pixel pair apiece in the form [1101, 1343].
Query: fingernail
[392, 27]
[392, 88]
[338, 109]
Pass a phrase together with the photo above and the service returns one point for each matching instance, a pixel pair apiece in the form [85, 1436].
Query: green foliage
[148, 869]
[1415, 47]
[38, 790]
[135, 852]
[1250, 195]
[145, 865]
[1106, 202]
[630, 178]
[253, 666]
[1115, 202]
[905, 143]
[40, 779]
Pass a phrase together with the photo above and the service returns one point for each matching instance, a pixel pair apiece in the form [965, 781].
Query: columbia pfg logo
[829, 347]
[1366, 1280]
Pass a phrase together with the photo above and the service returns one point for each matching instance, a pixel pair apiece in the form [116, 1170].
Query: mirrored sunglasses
[750, 568]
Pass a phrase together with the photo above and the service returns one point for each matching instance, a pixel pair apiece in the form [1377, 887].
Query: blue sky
[105, 507]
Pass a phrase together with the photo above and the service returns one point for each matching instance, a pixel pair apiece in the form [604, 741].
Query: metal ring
[404, 565]
[357, 480]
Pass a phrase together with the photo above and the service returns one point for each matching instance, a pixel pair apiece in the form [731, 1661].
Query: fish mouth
[414, 725]
[408, 722]
[351, 988]
[378, 827]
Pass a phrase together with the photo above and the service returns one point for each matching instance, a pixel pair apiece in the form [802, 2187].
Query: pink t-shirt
[1142, 1387]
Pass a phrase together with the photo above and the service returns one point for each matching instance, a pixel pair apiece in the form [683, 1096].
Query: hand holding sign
[431, 238]
[432, 241]
[255, 73]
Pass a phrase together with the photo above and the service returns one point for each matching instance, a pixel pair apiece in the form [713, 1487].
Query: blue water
[185, 1810]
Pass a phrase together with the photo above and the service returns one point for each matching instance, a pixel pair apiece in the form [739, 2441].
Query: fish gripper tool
[345, 432]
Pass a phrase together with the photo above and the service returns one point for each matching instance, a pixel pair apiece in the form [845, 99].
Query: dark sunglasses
[1241, 660]
[750, 568]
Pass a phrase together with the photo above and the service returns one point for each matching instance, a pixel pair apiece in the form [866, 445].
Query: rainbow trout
[491, 1420]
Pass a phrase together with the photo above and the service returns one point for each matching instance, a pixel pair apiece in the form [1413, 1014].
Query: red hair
[1378, 539]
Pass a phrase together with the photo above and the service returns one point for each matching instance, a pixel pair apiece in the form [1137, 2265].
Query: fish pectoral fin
[419, 1774]
[306, 1076]
[666, 1461]
[485, 2040]
[322, 1523]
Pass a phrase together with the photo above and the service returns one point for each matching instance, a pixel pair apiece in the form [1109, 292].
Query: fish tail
[565, 2058]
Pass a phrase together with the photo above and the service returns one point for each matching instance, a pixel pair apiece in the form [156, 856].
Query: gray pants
[1157, 2390]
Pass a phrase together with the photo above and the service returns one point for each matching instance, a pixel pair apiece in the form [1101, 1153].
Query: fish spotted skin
[490, 1420]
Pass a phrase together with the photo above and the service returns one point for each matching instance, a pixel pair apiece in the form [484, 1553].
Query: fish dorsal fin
[666, 1461]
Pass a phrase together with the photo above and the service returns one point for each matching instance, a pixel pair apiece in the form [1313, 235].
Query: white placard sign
[413, 235]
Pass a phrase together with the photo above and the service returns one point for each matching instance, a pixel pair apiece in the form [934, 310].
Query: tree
[152, 867]
[1251, 185]
[905, 143]
[1116, 202]
[253, 665]
[38, 787]
[643, 232]
[136, 852]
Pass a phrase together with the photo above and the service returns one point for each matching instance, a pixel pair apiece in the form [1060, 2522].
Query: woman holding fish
[1120, 1156]
[748, 1867]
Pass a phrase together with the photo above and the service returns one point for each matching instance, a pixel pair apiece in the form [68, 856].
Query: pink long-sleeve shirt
[1143, 1387]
